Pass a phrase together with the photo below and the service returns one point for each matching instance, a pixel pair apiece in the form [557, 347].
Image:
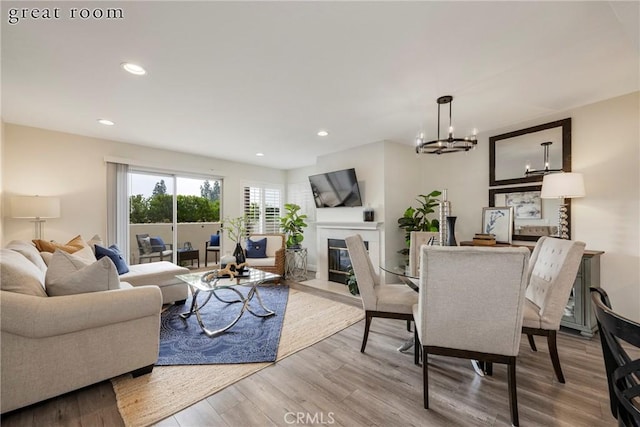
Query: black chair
[212, 245]
[623, 373]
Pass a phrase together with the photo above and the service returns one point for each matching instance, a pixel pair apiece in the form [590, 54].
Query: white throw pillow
[29, 251]
[69, 275]
[18, 274]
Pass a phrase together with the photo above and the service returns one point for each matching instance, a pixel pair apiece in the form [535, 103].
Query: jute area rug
[150, 398]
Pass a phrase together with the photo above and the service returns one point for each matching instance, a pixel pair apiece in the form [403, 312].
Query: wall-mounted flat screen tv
[335, 189]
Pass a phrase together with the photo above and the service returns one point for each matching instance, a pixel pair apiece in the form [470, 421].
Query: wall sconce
[561, 186]
[36, 208]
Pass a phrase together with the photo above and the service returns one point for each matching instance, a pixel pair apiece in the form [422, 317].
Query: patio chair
[153, 247]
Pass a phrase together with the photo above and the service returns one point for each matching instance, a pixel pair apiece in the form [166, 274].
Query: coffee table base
[246, 306]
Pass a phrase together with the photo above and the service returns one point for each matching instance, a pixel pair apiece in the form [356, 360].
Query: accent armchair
[553, 268]
[392, 301]
[274, 253]
[470, 306]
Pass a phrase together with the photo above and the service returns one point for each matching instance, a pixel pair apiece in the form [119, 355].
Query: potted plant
[352, 282]
[236, 229]
[416, 219]
[292, 224]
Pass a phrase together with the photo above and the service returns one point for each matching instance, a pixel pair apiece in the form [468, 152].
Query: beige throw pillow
[29, 251]
[73, 245]
[17, 274]
[69, 275]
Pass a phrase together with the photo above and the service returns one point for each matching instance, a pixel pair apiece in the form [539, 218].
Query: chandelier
[533, 172]
[450, 144]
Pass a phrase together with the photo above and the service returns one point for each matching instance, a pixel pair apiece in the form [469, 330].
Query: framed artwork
[526, 204]
[499, 222]
[526, 226]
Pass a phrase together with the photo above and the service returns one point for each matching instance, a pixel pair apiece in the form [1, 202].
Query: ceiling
[230, 79]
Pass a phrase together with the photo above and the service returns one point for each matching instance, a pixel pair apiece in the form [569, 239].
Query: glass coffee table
[211, 284]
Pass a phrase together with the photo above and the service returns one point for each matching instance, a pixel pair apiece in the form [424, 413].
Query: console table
[578, 314]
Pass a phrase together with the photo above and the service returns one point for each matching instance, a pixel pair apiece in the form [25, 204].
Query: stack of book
[484, 239]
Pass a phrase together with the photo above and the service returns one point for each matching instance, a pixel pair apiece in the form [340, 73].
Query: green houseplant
[417, 219]
[292, 224]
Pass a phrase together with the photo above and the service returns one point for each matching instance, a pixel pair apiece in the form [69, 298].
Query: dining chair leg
[553, 352]
[513, 397]
[409, 325]
[488, 368]
[416, 347]
[367, 324]
[425, 378]
[532, 343]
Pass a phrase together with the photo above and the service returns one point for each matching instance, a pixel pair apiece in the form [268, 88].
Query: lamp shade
[35, 207]
[557, 185]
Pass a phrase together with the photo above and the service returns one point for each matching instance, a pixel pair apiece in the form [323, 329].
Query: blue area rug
[253, 339]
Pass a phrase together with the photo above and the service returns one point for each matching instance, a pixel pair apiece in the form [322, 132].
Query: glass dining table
[399, 268]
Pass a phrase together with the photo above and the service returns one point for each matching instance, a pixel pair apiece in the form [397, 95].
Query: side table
[189, 255]
[295, 265]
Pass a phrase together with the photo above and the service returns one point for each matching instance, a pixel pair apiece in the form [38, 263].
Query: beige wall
[606, 149]
[72, 167]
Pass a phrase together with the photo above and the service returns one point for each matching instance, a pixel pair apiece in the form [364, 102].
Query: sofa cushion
[261, 262]
[69, 275]
[257, 248]
[29, 251]
[18, 274]
[114, 254]
[73, 245]
[154, 273]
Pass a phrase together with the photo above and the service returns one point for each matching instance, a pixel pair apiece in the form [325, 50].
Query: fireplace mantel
[373, 225]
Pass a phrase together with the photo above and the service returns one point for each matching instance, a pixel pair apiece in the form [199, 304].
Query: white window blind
[262, 207]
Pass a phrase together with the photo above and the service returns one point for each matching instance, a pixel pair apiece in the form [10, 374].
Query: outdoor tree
[138, 209]
[215, 194]
[206, 191]
[160, 188]
[160, 208]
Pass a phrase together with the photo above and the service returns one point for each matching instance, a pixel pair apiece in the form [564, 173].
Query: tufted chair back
[553, 267]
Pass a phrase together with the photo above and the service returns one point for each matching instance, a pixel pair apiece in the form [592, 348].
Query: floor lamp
[36, 208]
[566, 185]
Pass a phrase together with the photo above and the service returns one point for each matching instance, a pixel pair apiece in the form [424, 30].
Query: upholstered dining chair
[553, 268]
[392, 301]
[623, 373]
[470, 306]
[416, 240]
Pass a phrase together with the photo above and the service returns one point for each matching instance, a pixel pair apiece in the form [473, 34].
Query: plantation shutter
[262, 209]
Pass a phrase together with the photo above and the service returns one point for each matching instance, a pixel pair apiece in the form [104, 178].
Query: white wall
[72, 167]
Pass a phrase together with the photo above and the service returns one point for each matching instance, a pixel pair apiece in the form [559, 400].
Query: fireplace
[339, 262]
[370, 231]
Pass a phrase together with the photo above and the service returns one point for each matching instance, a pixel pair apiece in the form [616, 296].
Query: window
[262, 206]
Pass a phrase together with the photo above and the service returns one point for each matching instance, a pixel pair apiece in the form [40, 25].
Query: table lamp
[36, 208]
[562, 186]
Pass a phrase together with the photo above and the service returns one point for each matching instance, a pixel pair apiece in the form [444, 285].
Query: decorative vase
[238, 253]
[227, 258]
[451, 231]
[367, 214]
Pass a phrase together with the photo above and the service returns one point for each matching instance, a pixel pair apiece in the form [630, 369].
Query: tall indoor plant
[292, 224]
[417, 219]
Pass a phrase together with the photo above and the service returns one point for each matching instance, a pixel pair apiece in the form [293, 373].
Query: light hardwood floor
[332, 383]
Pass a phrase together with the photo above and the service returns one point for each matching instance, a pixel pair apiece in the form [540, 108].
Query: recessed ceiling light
[106, 122]
[133, 68]
[323, 133]
[260, 154]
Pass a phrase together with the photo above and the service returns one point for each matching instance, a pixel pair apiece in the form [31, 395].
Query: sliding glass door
[172, 217]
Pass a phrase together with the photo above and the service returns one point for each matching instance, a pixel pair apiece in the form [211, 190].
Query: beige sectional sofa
[51, 345]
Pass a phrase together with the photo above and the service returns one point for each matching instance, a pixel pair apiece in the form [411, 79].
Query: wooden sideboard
[578, 314]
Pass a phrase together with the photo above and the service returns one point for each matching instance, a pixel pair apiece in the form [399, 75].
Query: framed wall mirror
[533, 217]
[510, 153]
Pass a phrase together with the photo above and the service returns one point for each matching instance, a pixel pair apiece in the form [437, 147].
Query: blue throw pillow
[257, 248]
[157, 244]
[114, 254]
[215, 240]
